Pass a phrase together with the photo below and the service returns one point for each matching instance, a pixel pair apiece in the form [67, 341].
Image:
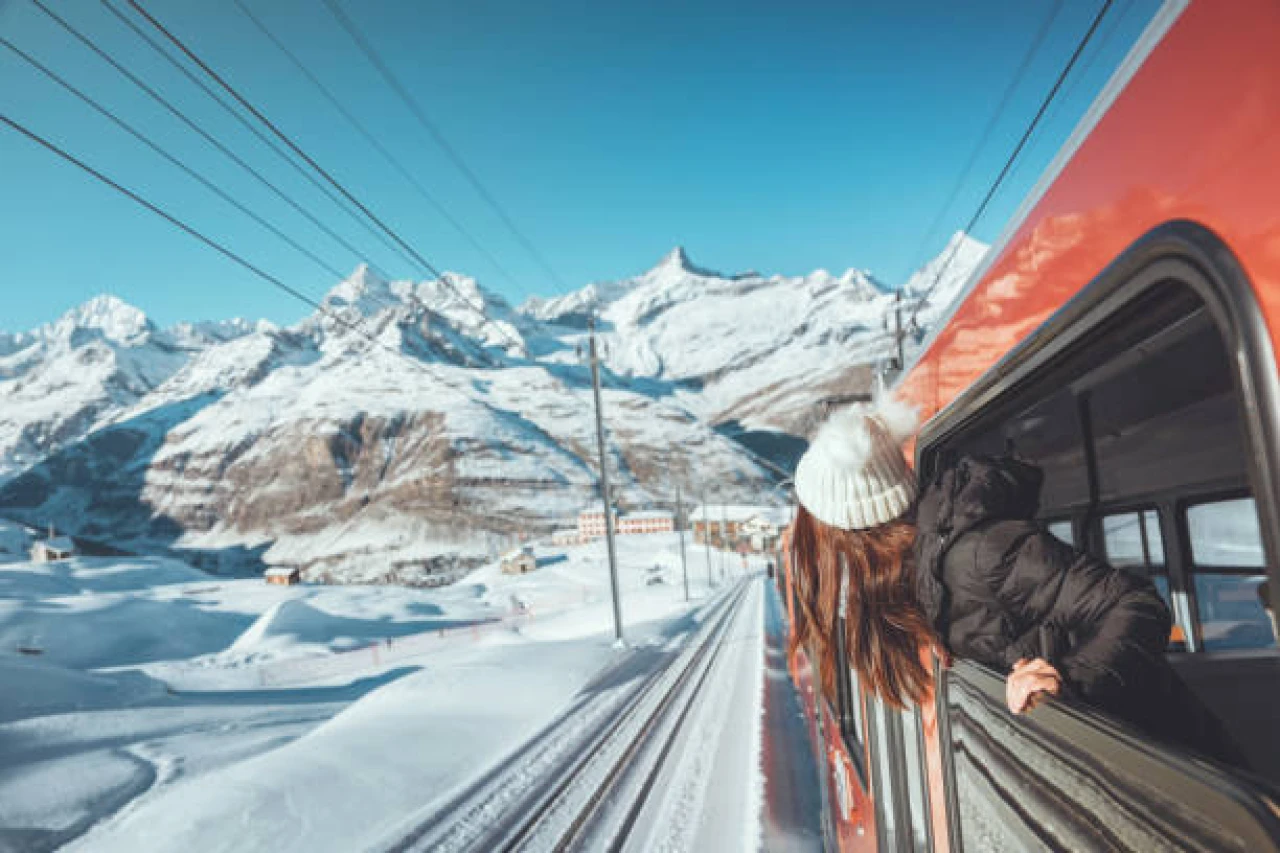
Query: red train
[1122, 335]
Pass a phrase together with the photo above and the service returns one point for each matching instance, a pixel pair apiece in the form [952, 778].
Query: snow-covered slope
[750, 350]
[58, 381]
[412, 427]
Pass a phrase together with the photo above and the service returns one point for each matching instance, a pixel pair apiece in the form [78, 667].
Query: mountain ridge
[409, 424]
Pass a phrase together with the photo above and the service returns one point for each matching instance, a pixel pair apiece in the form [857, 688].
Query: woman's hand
[1029, 683]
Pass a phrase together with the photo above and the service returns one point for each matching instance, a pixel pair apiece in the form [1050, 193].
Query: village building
[519, 562]
[566, 536]
[283, 575]
[53, 548]
[591, 523]
[758, 528]
[636, 523]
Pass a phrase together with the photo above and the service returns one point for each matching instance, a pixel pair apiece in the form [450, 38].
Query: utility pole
[706, 541]
[898, 336]
[684, 566]
[724, 552]
[604, 484]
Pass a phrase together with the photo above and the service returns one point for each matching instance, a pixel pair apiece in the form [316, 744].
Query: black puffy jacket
[998, 587]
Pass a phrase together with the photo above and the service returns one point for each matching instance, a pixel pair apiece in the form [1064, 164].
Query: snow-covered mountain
[410, 425]
[60, 380]
[749, 350]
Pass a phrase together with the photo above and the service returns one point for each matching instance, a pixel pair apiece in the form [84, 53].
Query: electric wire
[983, 138]
[1067, 94]
[1004, 171]
[275, 148]
[185, 168]
[375, 143]
[189, 123]
[435, 133]
[296, 149]
[170, 218]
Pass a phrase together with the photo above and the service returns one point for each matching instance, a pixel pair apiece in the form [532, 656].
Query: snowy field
[148, 706]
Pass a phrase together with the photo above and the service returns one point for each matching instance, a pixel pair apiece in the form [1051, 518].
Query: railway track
[584, 781]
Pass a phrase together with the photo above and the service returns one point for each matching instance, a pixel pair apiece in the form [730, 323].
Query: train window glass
[1225, 533]
[917, 782]
[1062, 531]
[859, 724]
[882, 746]
[1231, 612]
[1131, 540]
[1226, 547]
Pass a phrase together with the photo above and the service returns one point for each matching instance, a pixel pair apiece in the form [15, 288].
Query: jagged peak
[677, 261]
[109, 315]
[363, 283]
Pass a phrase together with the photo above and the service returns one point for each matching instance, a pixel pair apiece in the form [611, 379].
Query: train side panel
[1194, 135]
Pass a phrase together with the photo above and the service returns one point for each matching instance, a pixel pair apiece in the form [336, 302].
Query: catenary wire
[983, 138]
[435, 133]
[274, 147]
[179, 164]
[190, 123]
[296, 149]
[374, 142]
[1103, 41]
[1004, 171]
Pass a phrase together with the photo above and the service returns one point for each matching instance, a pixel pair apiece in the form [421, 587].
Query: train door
[1149, 403]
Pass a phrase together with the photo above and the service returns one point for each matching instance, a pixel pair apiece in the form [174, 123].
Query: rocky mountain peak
[677, 263]
[107, 315]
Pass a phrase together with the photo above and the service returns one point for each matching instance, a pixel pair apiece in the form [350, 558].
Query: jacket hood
[975, 489]
[963, 494]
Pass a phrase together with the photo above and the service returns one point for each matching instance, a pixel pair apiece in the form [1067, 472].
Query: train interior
[1140, 429]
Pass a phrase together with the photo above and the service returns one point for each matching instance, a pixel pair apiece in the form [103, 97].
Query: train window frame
[1194, 569]
[1193, 257]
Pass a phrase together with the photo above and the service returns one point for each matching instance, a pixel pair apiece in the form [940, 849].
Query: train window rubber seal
[1191, 254]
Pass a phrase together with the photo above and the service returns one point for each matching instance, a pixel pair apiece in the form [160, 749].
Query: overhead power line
[985, 136]
[1004, 171]
[320, 170]
[434, 132]
[170, 218]
[283, 137]
[374, 142]
[276, 149]
[188, 170]
[191, 124]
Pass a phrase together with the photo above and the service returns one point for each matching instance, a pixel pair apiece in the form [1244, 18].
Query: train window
[916, 780]
[1062, 531]
[857, 736]
[882, 756]
[1225, 533]
[1132, 541]
[1226, 547]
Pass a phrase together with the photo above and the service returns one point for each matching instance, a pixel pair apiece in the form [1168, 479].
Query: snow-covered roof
[281, 571]
[516, 553]
[61, 544]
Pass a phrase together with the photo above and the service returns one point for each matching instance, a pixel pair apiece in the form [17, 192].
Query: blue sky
[760, 135]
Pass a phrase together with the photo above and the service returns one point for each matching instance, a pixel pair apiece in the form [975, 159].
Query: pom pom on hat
[853, 476]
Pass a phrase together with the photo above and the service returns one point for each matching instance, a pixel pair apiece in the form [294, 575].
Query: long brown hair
[885, 627]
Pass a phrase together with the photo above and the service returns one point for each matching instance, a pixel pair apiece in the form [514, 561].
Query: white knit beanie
[854, 476]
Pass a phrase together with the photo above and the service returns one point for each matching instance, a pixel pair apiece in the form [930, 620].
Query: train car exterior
[1122, 335]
